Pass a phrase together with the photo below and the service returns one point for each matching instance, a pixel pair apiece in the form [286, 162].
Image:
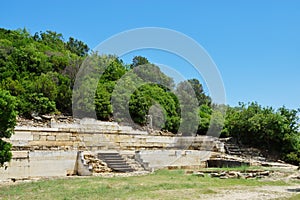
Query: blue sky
[255, 44]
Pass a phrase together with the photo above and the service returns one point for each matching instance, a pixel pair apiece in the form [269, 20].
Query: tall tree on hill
[199, 92]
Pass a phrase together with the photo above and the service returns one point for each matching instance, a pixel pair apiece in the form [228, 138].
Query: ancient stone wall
[55, 139]
[27, 164]
[40, 151]
[157, 159]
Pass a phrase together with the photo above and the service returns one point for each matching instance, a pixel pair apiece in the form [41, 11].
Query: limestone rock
[199, 174]
[215, 175]
[96, 165]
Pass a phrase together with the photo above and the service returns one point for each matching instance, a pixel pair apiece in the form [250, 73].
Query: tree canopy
[39, 70]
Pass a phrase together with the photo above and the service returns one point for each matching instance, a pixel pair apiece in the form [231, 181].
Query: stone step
[123, 170]
[115, 161]
[119, 164]
[232, 148]
[111, 155]
[235, 149]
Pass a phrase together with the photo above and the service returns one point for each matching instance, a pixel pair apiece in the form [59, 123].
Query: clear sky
[255, 44]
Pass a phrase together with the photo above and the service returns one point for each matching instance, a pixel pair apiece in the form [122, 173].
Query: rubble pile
[249, 174]
[44, 120]
[97, 166]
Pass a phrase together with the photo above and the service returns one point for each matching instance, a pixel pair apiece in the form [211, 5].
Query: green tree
[96, 70]
[150, 96]
[78, 47]
[7, 124]
[52, 39]
[188, 108]
[102, 102]
[199, 92]
[139, 60]
[205, 113]
[143, 88]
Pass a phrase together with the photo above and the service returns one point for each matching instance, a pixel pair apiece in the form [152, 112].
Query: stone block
[112, 127]
[91, 143]
[36, 137]
[51, 138]
[20, 154]
[30, 128]
[116, 138]
[94, 148]
[73, 138]
[41, 133]
[64, 129]
[43, 129]
[125, 129]
[22, 135]
[20, 143]
[87, 138]
[134, 132]
[159, 139]
[102, 139]
[74, 130]
[129, 140]
[43, 138]
[109, 131]
[51, 143]
[63, 137]
[97, 137]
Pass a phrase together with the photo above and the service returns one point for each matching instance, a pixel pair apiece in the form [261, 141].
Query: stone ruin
[89, 147]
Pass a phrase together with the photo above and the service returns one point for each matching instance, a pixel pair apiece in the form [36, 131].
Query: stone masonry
[40, 151]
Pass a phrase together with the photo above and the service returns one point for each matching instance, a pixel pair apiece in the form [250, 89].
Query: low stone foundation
[156, 159]
[27, 164]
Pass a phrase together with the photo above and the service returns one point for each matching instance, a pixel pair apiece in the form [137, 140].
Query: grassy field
[162, 184]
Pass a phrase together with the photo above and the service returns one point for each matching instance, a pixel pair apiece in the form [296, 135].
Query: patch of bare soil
[253, 193]
[287, 174]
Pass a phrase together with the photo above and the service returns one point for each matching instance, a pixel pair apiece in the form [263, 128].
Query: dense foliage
[164, 104]
[7, 124]
[39, 70]
[265, 128]
[38, 73]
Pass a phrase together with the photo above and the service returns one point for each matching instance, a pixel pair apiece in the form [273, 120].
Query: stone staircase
[131, 159]
[115, 161]
[232, 148]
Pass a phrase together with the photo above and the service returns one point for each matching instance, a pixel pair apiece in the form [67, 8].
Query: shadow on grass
[294, 190]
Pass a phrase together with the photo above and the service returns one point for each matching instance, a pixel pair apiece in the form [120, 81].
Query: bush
[5, 153]
[293, 158]
[7, 124]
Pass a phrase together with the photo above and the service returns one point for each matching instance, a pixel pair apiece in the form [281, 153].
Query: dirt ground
[261, 193]
[256, 193]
